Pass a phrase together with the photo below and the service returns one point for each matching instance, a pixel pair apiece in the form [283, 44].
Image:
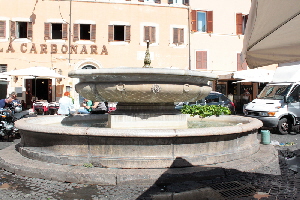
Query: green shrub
[206, 110]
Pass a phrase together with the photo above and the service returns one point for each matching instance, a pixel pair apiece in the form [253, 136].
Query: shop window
[202, 21]
[241, 21]
[84, 32]
[118, 33]
[58, 31]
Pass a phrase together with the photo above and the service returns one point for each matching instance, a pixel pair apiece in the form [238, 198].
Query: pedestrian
[87, 107]
[5, 102]
[65, 104]
[246, 97]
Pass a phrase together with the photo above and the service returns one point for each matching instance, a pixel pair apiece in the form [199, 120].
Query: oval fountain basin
[142, 85]
[136, 148]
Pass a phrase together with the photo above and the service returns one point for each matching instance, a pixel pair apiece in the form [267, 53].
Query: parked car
[214, 98]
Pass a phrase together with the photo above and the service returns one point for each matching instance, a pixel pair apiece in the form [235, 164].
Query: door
[294, 105]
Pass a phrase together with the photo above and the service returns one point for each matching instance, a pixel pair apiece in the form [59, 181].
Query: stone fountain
[145, 131]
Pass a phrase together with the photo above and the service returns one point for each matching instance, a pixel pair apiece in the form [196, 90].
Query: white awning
[272, 33]
[254, 75]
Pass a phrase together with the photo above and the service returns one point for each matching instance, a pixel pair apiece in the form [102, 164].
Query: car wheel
[284, 126]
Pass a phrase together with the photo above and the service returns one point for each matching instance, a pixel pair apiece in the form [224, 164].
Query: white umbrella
[44, 72]
[272, 33]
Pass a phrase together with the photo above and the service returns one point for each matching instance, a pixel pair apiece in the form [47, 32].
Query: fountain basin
[44, 139]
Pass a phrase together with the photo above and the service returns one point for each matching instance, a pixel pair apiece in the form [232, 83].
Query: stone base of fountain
[136, 148]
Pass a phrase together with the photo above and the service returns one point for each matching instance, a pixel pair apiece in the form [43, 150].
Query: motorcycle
[7, 127]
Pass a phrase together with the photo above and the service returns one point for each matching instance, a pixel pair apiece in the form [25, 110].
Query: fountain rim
[141, 71]
[28, 124]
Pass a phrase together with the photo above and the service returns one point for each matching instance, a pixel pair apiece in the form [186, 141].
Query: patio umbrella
[272, 33]
[35, 72]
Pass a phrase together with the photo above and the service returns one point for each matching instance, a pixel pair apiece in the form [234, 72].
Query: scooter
[7, 127]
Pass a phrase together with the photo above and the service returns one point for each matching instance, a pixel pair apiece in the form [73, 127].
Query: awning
[254, 75]
[44, 72]
[272, 33]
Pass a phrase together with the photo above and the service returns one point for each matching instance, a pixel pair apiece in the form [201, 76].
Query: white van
[278, 104]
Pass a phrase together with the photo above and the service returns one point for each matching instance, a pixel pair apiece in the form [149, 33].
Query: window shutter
[153, 34]
[127, 33]
[175, 35]
[157, 1]
[64, 31]
[186, 2]
[110, 33]
[194, 20]
[2, 29]
[93, 32]
[201, 59]
[239, 23]
[240, 64]
[29, 30]
[170, 1]
[47, 31]
[75, 32]
[181, 36]
[209, 15]
[146, 33]
[13, 29]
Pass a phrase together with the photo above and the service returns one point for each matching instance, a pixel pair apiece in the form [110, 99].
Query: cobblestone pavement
[233, 184]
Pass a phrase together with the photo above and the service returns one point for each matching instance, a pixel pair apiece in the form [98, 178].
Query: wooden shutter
[29, 30]
[146, 33]
[240, 64]
[181, 36]
[153, 34]
[186, 2]
[127, 33]
[93, 32]
[2, 29]
[64, 31]
[201, 59]
[13, 29]
[110, 33]
[75, 32]
[239, 23]
[175, 35]
[194, 20]
[47, 30]
[209, 15]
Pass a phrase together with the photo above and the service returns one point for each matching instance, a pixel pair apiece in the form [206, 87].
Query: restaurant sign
[54, 49]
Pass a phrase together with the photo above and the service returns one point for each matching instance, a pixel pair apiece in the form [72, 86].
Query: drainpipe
[189, 35]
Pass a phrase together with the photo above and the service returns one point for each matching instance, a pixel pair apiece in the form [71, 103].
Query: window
[150, 34]
[241, 21]
[178, 36]
[117, 33]
[56, 31]
[89, 67]
[151, 1]
[21, 30]
[3, 68]
[2, 29]
[84, 32]
[202, 21]
[185, 2]
[201, 59]
[241, 65]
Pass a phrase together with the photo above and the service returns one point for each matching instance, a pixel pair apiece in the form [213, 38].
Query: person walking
[65, 104]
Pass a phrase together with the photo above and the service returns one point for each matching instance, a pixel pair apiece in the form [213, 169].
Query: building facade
[68, 35]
